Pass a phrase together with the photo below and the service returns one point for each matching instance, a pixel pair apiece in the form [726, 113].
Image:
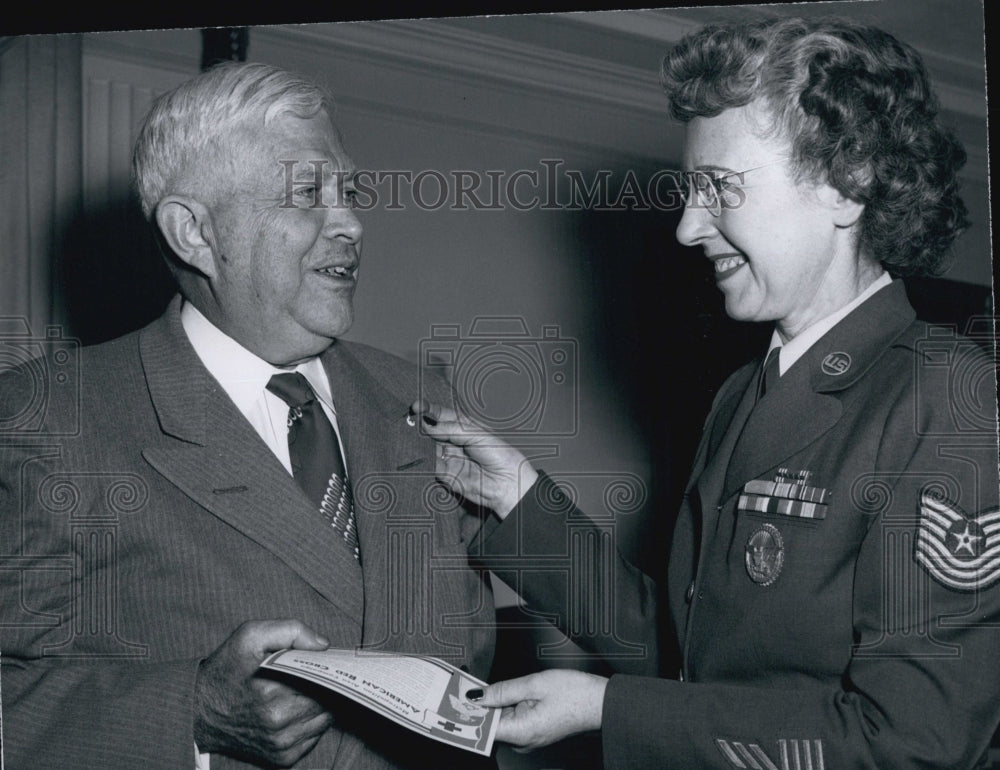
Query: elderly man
[230, 480]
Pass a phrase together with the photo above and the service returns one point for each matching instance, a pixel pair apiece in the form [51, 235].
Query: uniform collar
[796, 347]
[843, 355]
[804, 408]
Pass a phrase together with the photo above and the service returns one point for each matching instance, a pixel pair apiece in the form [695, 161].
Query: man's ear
[186, 226]
[846, 211]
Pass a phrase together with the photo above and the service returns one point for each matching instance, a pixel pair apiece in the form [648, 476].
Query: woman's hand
[474, 463]
[546, 707]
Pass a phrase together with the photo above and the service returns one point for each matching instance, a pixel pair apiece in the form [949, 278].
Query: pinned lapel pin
[836, 364]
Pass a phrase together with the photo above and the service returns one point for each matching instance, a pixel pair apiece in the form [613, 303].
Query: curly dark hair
[858, 107]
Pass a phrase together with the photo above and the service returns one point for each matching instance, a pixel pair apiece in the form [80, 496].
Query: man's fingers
[307, 638]
[293, 713]
[258, 638]
[288, 746]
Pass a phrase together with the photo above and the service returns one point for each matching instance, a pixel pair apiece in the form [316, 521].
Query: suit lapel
[222, 464]
[383, 454]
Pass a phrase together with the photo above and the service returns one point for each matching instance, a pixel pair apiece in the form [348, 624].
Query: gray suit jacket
[142, 520]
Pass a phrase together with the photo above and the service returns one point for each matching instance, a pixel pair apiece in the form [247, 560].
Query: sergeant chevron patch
[791, 755]
[957, 551]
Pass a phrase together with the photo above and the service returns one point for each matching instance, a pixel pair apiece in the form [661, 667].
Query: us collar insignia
[790, 494]
[765, 554]
[836, 364]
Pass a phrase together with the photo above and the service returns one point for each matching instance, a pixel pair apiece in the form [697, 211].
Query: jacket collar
[805, 406]
[222, 465]
[862, 336]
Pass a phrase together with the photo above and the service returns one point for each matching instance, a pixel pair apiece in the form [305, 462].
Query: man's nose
[342, 222]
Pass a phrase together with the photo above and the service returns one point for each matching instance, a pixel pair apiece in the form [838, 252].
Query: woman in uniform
[833, 576]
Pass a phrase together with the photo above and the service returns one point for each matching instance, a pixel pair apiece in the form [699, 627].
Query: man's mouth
[337, 271]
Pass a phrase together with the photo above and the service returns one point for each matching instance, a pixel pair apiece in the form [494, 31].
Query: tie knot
[292, 388]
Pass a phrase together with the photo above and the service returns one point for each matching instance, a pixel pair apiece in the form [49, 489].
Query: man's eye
[306, 191]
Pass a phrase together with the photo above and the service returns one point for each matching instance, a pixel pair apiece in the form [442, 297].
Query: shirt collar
[796, 347]
[242, 374]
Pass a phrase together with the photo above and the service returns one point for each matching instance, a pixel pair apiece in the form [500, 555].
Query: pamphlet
[421, 693]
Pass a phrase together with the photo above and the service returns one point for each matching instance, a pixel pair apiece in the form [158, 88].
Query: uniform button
[690, 592]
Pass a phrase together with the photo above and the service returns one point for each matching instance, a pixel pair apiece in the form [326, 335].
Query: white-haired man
[195, 539]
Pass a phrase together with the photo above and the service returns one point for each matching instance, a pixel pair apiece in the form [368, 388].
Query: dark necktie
[314, 450]
[769, 373]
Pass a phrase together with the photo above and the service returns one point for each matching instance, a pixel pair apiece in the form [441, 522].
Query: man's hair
[858, 108]
[190, 130]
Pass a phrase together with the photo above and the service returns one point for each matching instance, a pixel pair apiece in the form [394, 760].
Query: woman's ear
[186, 226]
[846, 211]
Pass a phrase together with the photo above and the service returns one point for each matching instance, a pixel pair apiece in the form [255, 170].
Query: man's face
[286, 255]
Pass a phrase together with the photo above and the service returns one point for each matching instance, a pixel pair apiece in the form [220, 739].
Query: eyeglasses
[702, 189]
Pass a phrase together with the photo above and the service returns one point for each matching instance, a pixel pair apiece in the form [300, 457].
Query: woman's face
[781, 251]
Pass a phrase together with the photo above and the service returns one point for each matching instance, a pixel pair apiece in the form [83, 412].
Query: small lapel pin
[836, 364]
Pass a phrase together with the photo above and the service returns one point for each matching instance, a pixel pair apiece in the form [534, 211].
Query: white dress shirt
[244, 377]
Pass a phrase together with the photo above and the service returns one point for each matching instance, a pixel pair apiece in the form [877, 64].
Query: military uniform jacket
[833, 577]
[143, 520]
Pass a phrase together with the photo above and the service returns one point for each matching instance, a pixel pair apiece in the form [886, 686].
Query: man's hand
[546, 707]
[473, 463]
[253, 717]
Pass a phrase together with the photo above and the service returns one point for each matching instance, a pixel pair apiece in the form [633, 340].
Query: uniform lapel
[723, 433]
[790, 418]
[221, 463]
[806, 402]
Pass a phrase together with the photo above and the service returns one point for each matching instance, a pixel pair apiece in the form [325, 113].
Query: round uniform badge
[765, 554]
[836, 364]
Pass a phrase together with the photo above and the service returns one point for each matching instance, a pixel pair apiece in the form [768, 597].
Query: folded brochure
[423, 694]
